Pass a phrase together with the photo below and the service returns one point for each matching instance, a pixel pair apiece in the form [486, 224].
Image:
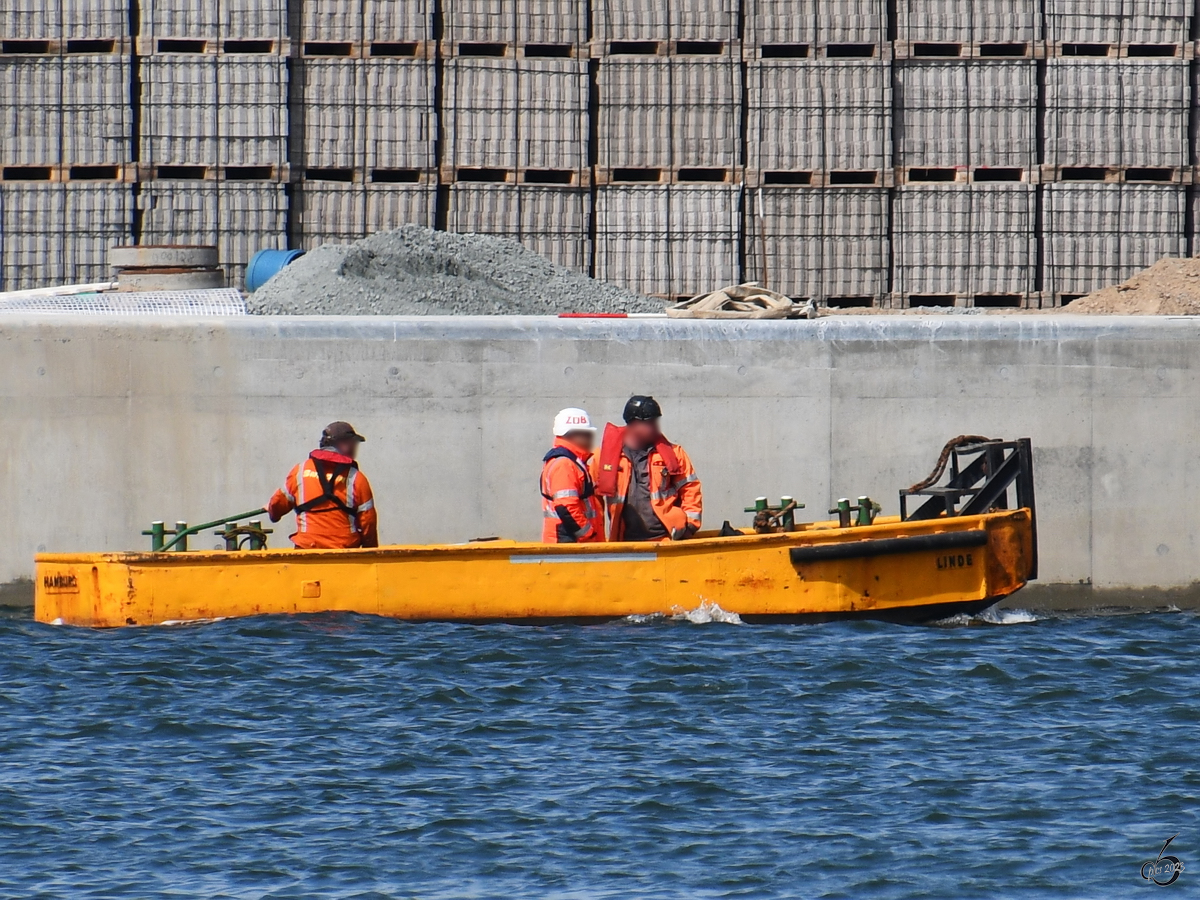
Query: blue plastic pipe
[266, 263]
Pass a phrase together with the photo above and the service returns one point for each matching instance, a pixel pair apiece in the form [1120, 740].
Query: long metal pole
[762, 237]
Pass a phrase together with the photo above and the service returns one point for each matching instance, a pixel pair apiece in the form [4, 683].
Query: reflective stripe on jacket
[347, 520]
[571, 511]
[676, 498]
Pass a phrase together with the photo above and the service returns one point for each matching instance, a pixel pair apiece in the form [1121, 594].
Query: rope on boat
[936, 475]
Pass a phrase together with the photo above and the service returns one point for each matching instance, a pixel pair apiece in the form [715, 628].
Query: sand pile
[1170, 287]
[418, 271]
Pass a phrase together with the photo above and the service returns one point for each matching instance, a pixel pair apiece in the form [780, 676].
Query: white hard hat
[572, 419]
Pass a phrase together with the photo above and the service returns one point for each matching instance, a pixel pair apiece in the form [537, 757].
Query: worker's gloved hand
[569, 532]
[273, 517]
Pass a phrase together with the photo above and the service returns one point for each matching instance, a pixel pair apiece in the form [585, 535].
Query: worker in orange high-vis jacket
[571, 511]
[648, 484]
[332, 499]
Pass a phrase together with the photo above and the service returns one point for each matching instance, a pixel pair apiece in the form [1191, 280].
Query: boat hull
[896, 571]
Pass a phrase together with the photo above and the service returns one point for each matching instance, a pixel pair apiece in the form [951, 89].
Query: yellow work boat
[961, 551]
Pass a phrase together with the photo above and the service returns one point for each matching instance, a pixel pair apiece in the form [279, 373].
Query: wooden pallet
[520, 175]
[188, 172]
[935, 175]
[210, 45]
[996, 50]
[616, 50]
[510, 50]
[117, 173]
[347, 175]
[367, 49]
[651, 175]
[819, 178]
[1083, 174]
[1101, 50]
[103, 46]
[984, 300]
[817, 50]
[860, 301]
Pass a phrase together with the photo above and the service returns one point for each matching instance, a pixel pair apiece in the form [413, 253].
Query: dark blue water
[341, 757]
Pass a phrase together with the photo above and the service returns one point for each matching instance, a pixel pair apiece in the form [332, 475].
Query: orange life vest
[332, 499]
[675, 492]
[571, 511]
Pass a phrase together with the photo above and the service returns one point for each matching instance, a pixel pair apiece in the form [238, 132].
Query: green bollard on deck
[230, 535]
[258, 540]
[789, 518]
[157, 533]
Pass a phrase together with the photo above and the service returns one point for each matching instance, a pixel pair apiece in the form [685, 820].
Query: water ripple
[350, 757]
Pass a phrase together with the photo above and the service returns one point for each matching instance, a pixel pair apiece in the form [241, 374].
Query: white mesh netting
[216, 302]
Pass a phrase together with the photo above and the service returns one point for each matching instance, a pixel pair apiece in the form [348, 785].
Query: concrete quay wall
[111, 423]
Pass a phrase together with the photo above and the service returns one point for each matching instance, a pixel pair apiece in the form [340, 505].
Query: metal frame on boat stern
[982, 484]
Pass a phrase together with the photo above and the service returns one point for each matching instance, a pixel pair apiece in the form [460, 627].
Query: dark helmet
[643, 409]
[339, 431]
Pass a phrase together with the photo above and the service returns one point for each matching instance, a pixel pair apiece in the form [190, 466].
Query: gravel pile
[418, 271]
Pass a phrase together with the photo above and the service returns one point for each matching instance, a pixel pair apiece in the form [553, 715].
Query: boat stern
[79, 589]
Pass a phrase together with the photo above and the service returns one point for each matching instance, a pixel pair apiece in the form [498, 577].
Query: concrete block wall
[547, 218]
[66, 125]
[1116, 21]
[774, 27]
[965, 244]
[33, 233]
[831, 243]
[36, 20]
[966, 113]
[1117, 112]
[668, 238]
[670, 112]
[820, 115]
[201, 109]
[664, 20]
[211, 21]
[1098, 234]
[516, 115]
[515, 22]
[970, 22]
[213, 148]
[648, 126]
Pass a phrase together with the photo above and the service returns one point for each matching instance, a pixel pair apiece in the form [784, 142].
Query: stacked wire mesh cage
[363, 119]
[1000, 153]
[213, 126]
[818, 149]
[515, 123]
[668, 164]
[66, 141]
